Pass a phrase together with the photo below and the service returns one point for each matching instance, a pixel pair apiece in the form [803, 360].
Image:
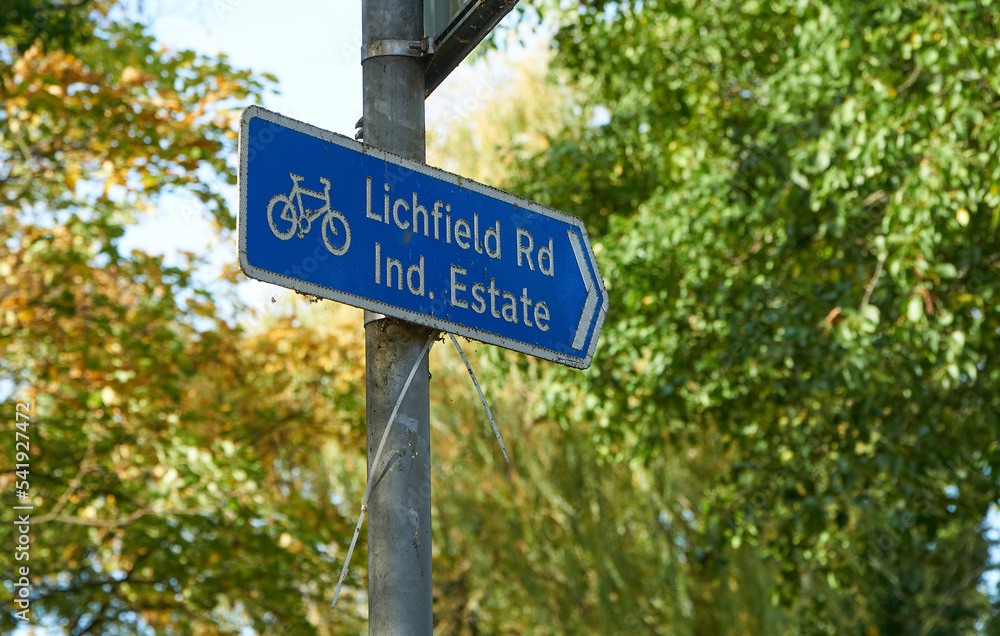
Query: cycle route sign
[328, 216]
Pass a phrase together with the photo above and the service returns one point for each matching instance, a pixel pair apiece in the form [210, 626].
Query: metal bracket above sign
[454, 43]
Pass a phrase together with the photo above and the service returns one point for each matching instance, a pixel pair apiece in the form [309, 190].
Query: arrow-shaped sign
[328, 216]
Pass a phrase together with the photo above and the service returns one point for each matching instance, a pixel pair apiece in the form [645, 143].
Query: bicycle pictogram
[301, 218]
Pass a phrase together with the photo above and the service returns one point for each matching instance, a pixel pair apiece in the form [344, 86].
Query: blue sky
[313, 47]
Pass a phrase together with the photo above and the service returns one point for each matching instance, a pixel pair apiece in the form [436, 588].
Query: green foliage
[567, 543]
[798, 210]
[58, 25]
[570, 540]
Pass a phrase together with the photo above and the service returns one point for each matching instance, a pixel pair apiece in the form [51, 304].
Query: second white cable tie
[481, 397]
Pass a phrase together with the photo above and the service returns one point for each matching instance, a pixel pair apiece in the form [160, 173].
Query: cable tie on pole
[378, 453]
[482, 397]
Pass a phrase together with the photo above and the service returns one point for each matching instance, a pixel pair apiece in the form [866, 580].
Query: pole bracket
[397, 48]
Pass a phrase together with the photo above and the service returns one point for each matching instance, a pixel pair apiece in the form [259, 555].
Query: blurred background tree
[169, 445]
[797, 212]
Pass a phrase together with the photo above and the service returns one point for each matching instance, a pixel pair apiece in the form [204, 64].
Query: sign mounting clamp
[397, 48]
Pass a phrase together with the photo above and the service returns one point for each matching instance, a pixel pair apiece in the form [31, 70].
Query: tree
[798, 214]
[173, 485]
[567, 540]
[27, 23]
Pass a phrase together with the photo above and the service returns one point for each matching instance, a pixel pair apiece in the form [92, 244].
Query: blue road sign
[328, 216]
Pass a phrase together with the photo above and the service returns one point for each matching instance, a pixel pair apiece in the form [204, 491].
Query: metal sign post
[400, 594]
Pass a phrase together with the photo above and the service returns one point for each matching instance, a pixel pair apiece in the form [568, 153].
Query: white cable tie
[350, 552]
[378, 453]
[481, 397]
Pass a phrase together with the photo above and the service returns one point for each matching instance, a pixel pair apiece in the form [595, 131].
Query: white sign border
[257, 112]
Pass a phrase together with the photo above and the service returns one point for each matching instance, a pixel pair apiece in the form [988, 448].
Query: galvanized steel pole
[399, 512]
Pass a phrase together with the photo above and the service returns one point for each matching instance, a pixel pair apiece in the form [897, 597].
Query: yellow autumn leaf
[132, 75]
[72, 176]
